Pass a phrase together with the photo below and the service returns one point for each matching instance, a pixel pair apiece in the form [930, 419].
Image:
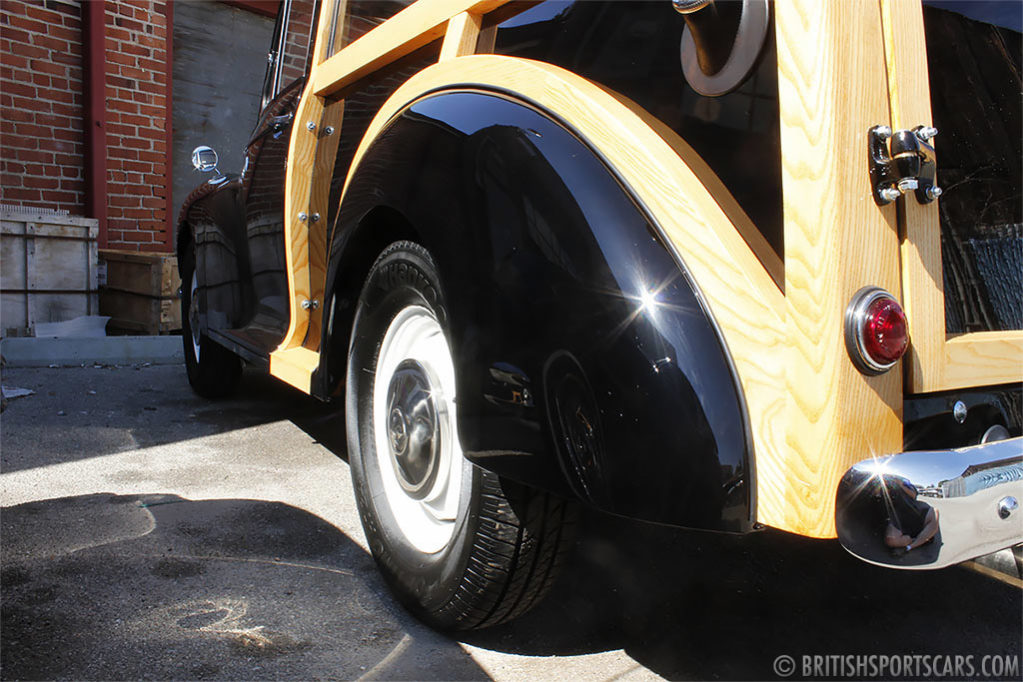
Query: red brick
[66, 59]
[13, 35]
[132, 72]
[20, 89]
[30, 104]
[42, 14]
[129, 107]
[57, 145]
[121, 153]
[50, 43]
[31, 155]
[49, 67]
[136, 50]
[41, 183]
[53, 120]
[54, 95]
[118, 33]
[21, 194]
[26, 24]
[65, 197]
[66, 33]
[67, 134]
[15, 61]
[32, 131]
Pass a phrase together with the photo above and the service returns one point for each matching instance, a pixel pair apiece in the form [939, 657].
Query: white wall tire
[459, 546]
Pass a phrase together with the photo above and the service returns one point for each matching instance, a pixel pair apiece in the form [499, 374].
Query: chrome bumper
[975, 492]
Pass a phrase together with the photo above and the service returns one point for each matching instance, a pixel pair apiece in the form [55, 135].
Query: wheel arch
[368, 165]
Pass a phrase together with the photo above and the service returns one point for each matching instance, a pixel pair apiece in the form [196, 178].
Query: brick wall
[41, 143]
[42, 155]
[136, 87]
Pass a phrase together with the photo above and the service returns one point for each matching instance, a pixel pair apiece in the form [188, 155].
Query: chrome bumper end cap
[967, 501]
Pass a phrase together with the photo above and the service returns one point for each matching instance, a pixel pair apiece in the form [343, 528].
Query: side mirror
[721, 42]
[205, 159]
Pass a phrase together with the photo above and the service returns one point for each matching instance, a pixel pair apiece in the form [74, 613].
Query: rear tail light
[876, 334]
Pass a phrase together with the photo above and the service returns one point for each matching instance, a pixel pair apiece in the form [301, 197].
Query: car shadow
[692, 605]
[160, 587]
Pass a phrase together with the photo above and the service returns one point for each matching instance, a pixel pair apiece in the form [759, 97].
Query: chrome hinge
[310, 305]
[900, 162]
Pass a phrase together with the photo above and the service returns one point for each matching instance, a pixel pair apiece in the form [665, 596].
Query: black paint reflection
[634, 48]
[573, 328]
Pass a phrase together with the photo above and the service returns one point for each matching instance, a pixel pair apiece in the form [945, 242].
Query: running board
[295, 366]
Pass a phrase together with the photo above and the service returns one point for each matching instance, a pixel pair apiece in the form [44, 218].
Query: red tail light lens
[876, 333]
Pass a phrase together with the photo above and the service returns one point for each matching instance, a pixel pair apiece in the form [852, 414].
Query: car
[719, 265]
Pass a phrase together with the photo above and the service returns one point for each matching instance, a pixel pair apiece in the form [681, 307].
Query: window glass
[362, 16]
[633, 48]
[298, 40]
[974, 64]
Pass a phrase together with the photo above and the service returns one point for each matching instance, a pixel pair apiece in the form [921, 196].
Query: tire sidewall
[404, 275]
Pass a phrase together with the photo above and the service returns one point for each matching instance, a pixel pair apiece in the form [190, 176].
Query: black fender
[587, 362]
[211, 220]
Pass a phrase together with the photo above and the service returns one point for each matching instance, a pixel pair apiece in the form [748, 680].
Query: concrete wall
[219, 63]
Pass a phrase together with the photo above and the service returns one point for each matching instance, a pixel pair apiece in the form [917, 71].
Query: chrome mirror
[205, 159]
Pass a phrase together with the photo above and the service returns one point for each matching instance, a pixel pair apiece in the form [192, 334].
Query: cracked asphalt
[148, 534]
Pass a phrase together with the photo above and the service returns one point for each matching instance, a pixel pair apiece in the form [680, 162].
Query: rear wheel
[213, 371]
[460, 546]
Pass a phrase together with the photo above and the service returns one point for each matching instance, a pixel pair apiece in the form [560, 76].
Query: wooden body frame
[936, 361]
[812, 414]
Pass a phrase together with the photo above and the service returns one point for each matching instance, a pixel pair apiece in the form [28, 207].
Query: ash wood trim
[294, 366]
[832, 89]
[461, 37]
[319, 197]
[934, 362]
[983, 359]
[910, 105]
[415, 26]
[745, 301]
[305, 191]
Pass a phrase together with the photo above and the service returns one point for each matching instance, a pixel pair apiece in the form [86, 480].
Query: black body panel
[238, 227]
[931, 423]
[574, 329]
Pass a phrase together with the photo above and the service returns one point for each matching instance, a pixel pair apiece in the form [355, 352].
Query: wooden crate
[140, 293]
[48, 268]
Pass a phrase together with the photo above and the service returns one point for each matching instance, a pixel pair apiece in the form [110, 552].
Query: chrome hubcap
[413, 430]
[418, 456]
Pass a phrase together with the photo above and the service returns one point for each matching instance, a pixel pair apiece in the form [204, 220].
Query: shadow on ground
[159, 587]
[691, 605]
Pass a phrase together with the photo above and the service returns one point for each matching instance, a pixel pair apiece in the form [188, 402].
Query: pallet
[140, 293]
[48, 271]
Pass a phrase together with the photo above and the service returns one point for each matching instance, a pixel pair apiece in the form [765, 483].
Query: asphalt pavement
[149, 534]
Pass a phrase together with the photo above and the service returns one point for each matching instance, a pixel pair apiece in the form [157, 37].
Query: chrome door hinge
[901, 162]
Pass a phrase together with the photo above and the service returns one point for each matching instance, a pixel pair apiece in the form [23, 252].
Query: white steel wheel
[417, 450]
[193, 315]
[213, 371]
[461, 547]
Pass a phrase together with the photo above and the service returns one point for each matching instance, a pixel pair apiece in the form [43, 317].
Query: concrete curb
[104, 350]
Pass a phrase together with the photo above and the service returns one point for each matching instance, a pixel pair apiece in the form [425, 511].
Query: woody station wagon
[722, 265]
